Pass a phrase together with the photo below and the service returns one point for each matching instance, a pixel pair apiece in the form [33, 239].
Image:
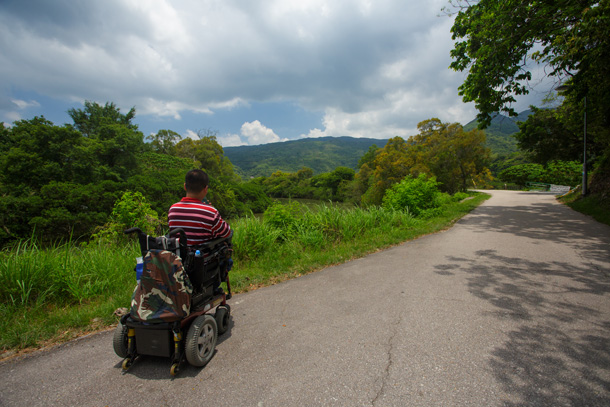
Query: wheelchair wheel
[119, 341]
[201, 340]
[222, 317]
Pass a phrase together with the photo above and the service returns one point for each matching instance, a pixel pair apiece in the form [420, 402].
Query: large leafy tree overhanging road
[509, 307]
[499, 44]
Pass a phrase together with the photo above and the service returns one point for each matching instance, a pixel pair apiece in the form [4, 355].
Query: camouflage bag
[164, 291]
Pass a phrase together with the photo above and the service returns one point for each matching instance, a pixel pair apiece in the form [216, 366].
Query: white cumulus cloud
[257, 133]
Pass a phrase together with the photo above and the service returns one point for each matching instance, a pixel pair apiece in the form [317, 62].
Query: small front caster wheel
[175, 369]
[223, 318]
[127, 364]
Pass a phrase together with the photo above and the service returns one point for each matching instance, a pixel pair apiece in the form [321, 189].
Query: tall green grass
[57, 292]
[44, 292]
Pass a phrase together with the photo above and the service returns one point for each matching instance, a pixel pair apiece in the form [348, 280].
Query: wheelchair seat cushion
[164, 291]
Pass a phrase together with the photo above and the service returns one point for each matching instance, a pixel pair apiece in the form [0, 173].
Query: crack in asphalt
[390, 351]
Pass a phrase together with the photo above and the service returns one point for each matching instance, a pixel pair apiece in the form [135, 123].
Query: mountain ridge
[324, 154]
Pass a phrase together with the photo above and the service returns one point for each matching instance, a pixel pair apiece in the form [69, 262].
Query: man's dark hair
[195, 181]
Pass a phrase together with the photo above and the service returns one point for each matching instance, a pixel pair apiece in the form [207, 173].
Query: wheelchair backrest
[164, 291]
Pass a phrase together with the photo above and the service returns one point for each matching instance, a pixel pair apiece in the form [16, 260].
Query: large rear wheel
[201, 340]
[120, 340]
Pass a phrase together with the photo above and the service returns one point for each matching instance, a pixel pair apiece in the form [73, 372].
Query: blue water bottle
[139, 268]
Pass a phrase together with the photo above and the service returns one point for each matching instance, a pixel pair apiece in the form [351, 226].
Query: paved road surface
[510, 307]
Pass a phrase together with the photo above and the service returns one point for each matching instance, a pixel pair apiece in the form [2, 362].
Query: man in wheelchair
[202, 224]
[166, 304]
[201, 221]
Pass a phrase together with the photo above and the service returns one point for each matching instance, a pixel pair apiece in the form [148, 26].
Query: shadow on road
[546, 221]
[559, 354]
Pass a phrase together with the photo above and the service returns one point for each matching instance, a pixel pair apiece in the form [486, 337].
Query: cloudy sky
[253, 71]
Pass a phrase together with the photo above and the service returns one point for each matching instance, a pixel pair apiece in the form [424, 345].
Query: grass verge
[54, 295]
[591, 205]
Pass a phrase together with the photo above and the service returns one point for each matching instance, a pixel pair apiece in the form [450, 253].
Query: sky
[252, 72]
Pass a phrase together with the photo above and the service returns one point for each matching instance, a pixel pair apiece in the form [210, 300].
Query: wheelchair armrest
[213, 243]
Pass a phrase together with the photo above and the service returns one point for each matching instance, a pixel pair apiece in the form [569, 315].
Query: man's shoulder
[187, 203]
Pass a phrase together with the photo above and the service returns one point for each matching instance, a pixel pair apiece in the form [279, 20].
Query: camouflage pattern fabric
[164, 291]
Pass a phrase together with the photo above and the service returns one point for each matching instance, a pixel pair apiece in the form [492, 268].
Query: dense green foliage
[334, 185]
[555, 172]
[131, 210]
[458, 159]
[63, 181]
[414, 195]
[320, 154]
[57, 181]
[551, 135]
[495, 40]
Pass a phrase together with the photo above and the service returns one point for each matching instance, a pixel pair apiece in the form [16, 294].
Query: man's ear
[185, 186]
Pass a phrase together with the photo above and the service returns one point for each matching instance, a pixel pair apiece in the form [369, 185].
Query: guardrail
[556, 189]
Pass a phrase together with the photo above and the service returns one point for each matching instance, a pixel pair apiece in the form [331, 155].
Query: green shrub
[283, 218]
[563, 173]
[413, 194]
[251, 197]
[555, 172]
[458, 196]
[131, 210]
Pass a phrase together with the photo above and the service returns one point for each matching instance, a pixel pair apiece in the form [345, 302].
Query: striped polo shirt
[200, 221]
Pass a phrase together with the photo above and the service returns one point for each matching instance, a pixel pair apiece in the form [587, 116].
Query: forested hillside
[500, 133]
[327, 153]
[321, 155]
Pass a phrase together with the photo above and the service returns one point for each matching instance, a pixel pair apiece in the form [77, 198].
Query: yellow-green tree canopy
[208, 154]
[457, 159]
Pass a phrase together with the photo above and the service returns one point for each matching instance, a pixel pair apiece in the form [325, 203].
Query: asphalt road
[510, 307]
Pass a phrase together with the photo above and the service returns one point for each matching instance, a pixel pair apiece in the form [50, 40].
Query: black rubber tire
[223, 318]
[120, 340]
[201, 340]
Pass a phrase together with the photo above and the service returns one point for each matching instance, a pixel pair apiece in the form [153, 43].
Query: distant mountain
[327, 153]
[500, 132]
[320, 154]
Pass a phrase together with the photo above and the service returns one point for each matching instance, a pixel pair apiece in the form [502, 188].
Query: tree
[4, 138]
[571, 39]
[368, 156]
[523, 173]
[37, 152]
[114, 139]
[164, 142]
[160, 178]
[93, 117]
[555, 172]
[207, 154]
[457, 159]
[333, 181]
[62, 180]
[390, 165]
[495, 39]
[545, 137]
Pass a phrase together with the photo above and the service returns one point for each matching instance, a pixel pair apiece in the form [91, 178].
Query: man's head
[195, 181]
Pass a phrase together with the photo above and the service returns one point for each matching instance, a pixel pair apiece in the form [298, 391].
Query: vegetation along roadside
[55, 294]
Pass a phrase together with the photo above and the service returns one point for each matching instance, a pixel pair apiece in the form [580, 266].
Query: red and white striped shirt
[200, 222]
